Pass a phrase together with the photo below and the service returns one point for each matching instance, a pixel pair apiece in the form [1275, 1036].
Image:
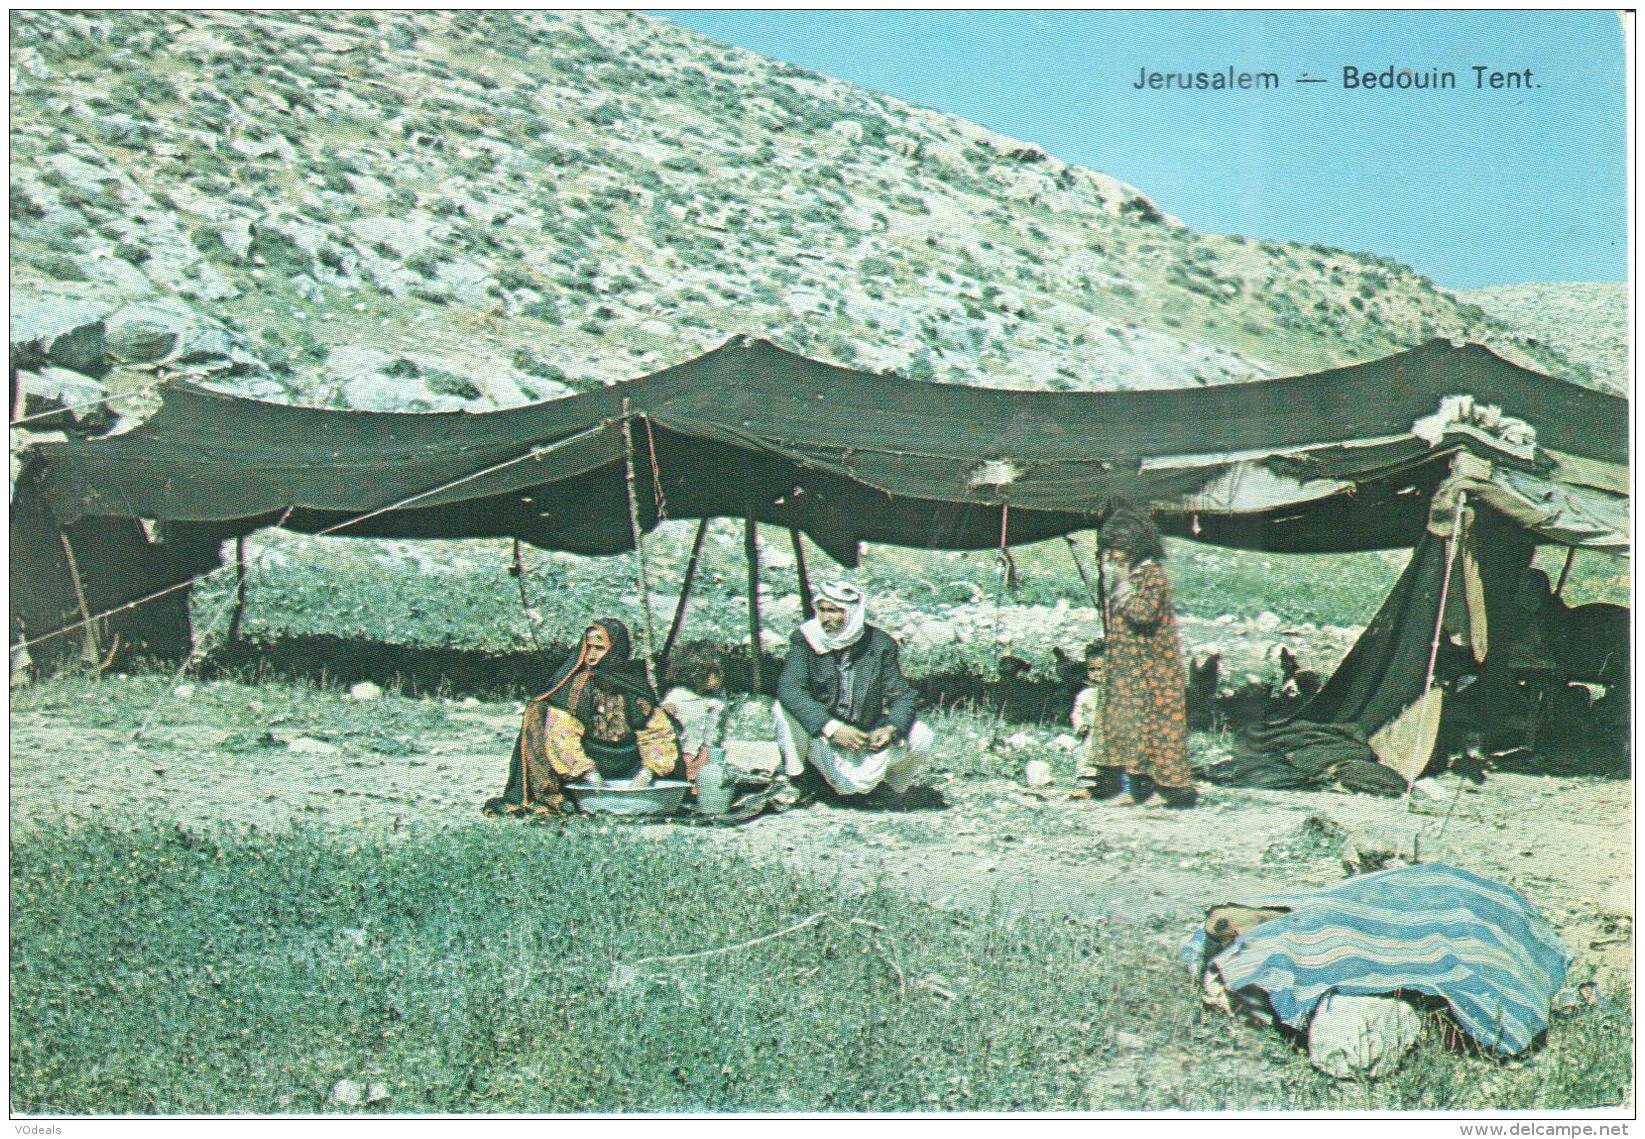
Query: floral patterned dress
[1145, 715]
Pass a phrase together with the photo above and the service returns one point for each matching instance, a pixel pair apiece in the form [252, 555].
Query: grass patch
[500, 969]
[463, 597]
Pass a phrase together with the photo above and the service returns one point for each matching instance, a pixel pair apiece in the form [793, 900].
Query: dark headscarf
[616, 672]
[1131, 532]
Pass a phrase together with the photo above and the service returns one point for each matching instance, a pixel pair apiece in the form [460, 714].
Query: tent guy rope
[535, 452]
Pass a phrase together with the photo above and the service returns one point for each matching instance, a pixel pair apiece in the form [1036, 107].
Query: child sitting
[693, 701]
[1087, 718]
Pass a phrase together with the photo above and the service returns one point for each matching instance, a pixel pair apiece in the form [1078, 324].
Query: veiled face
[596, 643]
[831, 617]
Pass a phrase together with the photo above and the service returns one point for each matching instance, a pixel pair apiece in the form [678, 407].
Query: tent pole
[639, 544]
[685, 589]
[1570, 557]
[1073, 552]
[239, 588]
[806, 612]
[517, 572]
[751, 551]
[88, 643]
[1451, 546]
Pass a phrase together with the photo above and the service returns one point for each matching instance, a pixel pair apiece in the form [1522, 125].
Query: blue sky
[1472, 187]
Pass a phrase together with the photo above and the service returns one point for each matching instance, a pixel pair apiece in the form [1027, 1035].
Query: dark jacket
[809, 687]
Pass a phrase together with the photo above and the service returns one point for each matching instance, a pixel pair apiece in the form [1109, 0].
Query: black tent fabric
[750, 430]
[1386, 673]
[1332, 461]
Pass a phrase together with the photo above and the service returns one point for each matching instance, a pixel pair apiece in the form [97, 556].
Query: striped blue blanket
[1433, 929]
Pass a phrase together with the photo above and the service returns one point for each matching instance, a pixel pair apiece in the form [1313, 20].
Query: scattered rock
[162, 330]
[365, 690]
[847, 130]
[56, 330]
[1361, 1037]
[347, 1093]
[1036, 773]
[60, 388]
[1370, 849]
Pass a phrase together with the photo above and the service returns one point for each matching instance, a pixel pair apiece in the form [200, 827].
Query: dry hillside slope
[428, 210]
[1586, 322]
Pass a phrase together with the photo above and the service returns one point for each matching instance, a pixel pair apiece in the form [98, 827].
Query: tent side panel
[116, 564]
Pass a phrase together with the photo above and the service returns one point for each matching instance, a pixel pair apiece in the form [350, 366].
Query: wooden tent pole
[239, 588]
[1570, 557]
[751, 551]
[639, 545]
[1452, 545]
[88, 643]
[685, 589]
[806, 611]
[1073, 552]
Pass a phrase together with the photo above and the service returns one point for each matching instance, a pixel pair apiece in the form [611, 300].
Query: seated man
[842, 701]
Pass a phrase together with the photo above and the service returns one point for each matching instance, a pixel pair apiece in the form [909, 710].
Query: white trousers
[852, 772]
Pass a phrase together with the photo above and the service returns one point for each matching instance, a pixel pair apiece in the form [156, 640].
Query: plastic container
[716, 785]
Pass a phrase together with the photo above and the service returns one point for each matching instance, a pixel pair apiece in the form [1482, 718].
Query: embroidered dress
[1145, 715]
[604, 719]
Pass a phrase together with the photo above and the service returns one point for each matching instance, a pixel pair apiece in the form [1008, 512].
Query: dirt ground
[1566, 843]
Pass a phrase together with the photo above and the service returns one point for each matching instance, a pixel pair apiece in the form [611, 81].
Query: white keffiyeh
[849, 598]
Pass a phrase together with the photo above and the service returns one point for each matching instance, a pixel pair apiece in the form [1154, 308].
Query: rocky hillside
[429, 210]
[1586, 323]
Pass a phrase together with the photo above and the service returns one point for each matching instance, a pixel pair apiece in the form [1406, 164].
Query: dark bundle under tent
[1408, 451]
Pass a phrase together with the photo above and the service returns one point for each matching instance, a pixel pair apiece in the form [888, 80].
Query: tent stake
[239, 588]
[685, 589]
[88, 643]
[806, 611]
[751, 551]
[1570, 557]
[639, 544]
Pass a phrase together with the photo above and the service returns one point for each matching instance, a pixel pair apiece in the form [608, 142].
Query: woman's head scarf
[849, 598]
[616, 671]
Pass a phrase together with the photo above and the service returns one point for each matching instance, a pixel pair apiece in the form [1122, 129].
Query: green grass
[501, 969]
[341, 586]
[362, 590]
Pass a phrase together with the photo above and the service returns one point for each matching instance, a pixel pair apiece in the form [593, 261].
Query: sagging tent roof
[1323, 462]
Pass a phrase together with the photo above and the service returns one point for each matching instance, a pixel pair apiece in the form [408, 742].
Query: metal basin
[663, 797]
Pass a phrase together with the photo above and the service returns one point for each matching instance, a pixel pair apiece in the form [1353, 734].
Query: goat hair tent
[1345, 459]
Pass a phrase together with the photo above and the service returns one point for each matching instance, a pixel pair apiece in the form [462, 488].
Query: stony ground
[1566, 843]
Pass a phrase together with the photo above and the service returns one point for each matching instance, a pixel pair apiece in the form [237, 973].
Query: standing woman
[1145, 714]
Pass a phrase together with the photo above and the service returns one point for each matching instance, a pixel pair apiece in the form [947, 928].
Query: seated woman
[599, 721]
